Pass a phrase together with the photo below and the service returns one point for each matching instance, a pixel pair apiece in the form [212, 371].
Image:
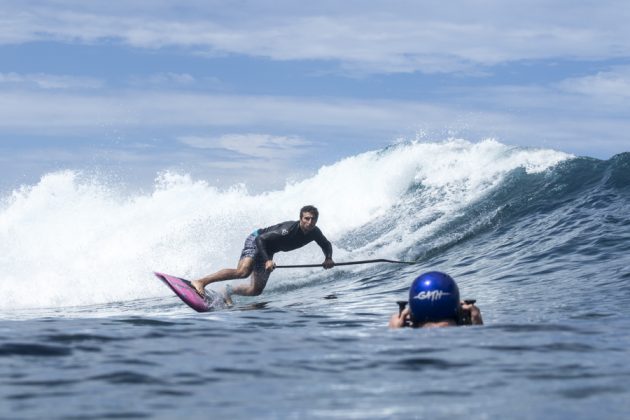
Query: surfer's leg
[256, 285]
[227, 295]
[244, 269]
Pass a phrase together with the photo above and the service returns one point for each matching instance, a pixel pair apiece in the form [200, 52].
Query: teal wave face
[558, 239]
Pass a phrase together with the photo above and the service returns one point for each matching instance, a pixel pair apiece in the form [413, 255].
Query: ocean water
[540, 238]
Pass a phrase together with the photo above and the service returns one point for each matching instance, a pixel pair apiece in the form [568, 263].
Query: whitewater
[80, 240]
[539, 237]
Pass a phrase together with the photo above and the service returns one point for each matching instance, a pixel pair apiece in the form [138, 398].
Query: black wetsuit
[288, 236]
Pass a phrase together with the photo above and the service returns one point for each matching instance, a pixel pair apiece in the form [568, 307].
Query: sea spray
[73, 239]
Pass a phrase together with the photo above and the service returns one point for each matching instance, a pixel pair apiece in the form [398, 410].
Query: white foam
[73, 240]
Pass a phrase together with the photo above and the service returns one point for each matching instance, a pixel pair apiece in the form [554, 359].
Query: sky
[261, 92]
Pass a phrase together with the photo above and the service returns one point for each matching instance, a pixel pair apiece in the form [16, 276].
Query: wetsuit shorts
[250, 250]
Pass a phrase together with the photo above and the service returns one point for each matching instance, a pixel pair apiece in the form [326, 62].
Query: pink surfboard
[186, 292]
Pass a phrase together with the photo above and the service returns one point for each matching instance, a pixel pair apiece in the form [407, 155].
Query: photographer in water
[434, 302]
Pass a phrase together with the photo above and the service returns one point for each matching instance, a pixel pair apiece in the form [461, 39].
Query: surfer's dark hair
[309, 209]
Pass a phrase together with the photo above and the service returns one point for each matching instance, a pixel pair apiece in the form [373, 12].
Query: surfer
[434, 302]
[261, 245]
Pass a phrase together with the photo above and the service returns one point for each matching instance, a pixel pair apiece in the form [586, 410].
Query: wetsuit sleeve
[324, 244]
[263, 238]
[260, 244]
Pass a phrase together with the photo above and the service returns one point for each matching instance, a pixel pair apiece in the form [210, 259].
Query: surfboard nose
[186, 292]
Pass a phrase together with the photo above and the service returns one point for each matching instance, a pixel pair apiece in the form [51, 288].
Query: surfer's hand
[270, 266]
[328, 263]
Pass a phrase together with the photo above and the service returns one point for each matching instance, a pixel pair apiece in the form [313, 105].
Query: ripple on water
[36, 350]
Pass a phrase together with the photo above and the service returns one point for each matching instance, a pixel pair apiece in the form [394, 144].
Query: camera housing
[464, 316]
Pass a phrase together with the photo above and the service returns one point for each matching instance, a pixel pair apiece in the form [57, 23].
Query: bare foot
[199, 288]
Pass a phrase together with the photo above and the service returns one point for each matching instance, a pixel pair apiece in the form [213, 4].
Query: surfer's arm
[261, 245]
[327, 249]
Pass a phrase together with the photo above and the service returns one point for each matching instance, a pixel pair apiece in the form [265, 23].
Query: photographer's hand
[475, 313]
[399, 320]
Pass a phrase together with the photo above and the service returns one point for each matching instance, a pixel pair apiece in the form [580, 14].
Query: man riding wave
[261, 245]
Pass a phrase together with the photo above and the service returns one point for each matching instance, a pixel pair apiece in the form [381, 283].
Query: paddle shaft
[346, 263]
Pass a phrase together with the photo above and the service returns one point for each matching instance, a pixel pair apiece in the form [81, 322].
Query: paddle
[346, 263]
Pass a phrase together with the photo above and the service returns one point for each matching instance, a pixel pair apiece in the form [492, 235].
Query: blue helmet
[433, 297]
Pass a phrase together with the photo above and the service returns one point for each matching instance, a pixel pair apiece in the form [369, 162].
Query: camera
[464, 316]
[402, 304]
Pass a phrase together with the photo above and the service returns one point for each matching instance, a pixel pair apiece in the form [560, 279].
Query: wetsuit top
[288, 236]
